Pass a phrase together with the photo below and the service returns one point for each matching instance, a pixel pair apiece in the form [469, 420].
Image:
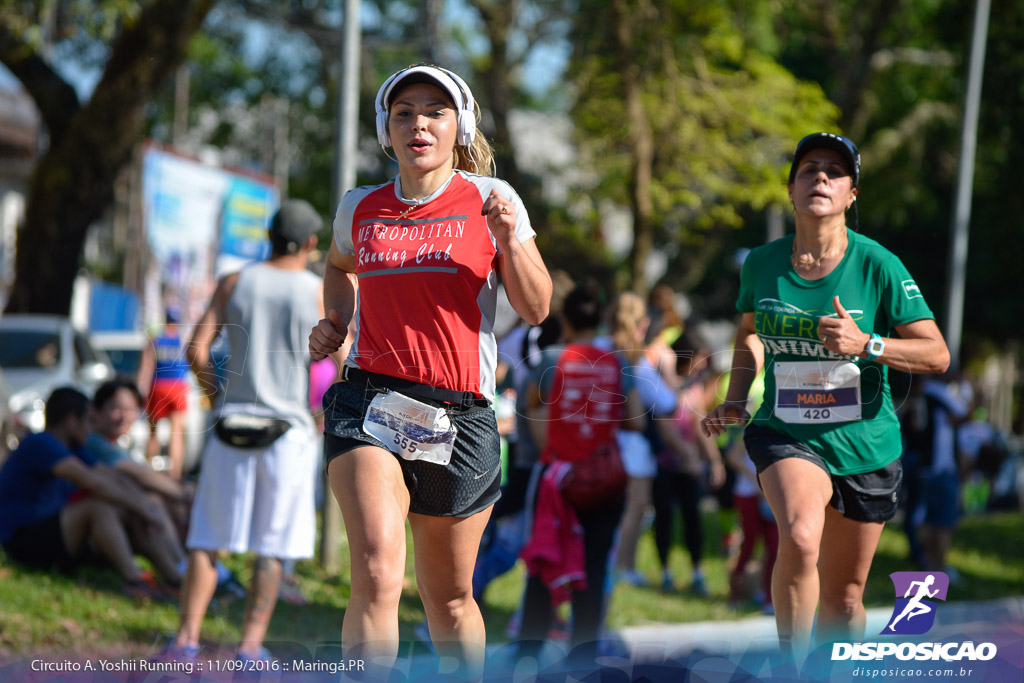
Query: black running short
[469, 483]
[41, 545]
[867, 497]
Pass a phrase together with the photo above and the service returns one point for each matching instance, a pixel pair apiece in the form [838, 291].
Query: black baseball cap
[295, 222]
[838, 143]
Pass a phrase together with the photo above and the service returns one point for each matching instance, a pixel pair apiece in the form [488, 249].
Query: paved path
[712, 650]
[730, 637]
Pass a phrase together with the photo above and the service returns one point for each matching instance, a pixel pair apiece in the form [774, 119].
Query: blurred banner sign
[201, 222]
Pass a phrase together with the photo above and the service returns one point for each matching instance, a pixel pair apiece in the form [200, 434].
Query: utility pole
[282, 145]
[776, 223]
[345, 179]
[179, 134]
[964, 187]
[348, 101]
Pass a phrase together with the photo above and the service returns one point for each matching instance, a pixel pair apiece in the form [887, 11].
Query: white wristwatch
[875, 347]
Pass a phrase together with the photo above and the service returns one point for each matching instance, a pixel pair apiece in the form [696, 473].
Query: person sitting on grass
[59, 508]
[116, 407]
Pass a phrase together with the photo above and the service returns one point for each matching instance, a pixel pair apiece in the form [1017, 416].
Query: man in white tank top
[256, 488]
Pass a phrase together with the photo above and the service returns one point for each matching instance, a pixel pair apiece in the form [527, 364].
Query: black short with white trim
[469, 483]
[866, 497]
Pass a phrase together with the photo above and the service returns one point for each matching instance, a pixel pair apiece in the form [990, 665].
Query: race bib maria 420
[410, 428]
[809, 392]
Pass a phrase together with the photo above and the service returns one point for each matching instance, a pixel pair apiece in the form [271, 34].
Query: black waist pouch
[249, 431]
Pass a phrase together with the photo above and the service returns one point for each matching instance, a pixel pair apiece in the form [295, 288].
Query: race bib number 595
[809, 392]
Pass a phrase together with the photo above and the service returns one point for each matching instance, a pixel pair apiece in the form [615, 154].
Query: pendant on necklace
[806, 261]
[406, 212]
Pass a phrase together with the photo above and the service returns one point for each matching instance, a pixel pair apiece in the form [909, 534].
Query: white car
[39, 353]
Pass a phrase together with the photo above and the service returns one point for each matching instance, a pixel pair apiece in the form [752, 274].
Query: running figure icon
[915, 607]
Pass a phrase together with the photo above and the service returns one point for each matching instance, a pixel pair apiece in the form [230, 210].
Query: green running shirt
[853, 429]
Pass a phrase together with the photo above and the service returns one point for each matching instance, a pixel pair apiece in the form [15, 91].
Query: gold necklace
[416, 203]
[806, 261]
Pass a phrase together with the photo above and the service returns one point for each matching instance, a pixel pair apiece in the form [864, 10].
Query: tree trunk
[73, 182]
[495, 78]
[641, 139]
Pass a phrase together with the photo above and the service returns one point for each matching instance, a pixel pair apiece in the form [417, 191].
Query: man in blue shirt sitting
[57, 507]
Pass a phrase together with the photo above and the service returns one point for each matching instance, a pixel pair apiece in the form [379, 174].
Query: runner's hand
[501, 217]
[841, 334]
[725, 415]
[328, 336]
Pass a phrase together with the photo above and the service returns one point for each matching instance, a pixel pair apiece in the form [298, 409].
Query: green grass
[86, 613]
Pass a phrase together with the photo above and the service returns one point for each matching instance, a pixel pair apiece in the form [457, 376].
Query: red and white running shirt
[428, 280]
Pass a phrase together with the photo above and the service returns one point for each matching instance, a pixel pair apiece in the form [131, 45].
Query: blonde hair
[478, 156]
[628, 314]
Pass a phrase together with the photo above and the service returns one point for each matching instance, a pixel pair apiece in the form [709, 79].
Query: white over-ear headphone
[465, 105]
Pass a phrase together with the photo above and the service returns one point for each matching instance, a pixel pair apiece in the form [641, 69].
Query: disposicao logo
[914, 612]
[911, 289]
[913, 615]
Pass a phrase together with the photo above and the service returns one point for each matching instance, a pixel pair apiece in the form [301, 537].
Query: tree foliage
[249, 77]
[89, 142]
[685, 120]
[685, 114]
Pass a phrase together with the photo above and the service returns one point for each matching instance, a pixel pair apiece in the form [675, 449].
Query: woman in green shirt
[825, 311]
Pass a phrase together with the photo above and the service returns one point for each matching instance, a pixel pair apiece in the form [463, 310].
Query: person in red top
[579, 396]
[409, 432]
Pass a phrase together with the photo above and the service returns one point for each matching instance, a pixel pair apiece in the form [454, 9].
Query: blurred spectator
[511, 519]
[163, 378]
[756, 522]
[116, 407]
[686, 459]
[58, 507]
[574, 423]
[932, 480]
[256, 490]
[629, 324]
[322, 374]
[665, 327]
[984, 452]
[666, 323]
